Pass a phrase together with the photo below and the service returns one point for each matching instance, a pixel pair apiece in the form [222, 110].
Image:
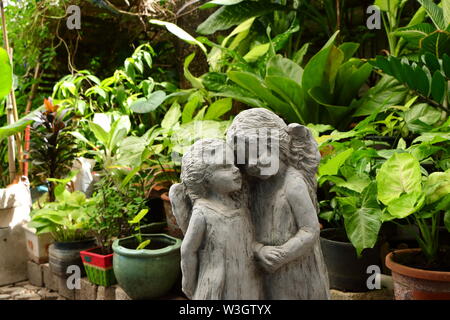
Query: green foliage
[235, 13]
[406, 193]
[115, 205]
[427, 78]
[52, 148]
[136, 221]
[325, 91]
[5, 74]
[66, 218]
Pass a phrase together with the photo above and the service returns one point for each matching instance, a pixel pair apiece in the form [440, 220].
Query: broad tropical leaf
[231, 15]
[362, 218]
[399, 175]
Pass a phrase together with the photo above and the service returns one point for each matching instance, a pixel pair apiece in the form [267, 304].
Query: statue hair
[298, 147]
[196, 169]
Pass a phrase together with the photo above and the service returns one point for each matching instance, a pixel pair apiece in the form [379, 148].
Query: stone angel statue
[283, 204]
[217, 253]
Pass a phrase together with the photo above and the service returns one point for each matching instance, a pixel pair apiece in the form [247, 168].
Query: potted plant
[66, 219]
[52, 147]
[114, 206]
[351, 239]
[424, 201]
[146, 265]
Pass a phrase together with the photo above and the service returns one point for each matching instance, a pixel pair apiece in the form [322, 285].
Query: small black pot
[346, 271]
[64, 254]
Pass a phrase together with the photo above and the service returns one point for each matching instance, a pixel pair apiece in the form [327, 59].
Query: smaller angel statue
[217, 259]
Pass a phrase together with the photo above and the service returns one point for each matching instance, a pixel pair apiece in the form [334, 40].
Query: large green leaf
[172, 116]
[228, 16]
[196, 82]
[148, 105]
[18, 126]
[280, 66]
[99, 133]
[436, 13]
[399, 175]
[218, 109]
[437, 43]
[387, 92]
[437, 186]
[255, 85]
[331, 167]
[180, 33]
[406, 204]
[351, 77]
[421, 116]
[5, 74]
[257, 52]
[446, 10]
[439, 87]
[317, 68]
[362, 219]
[292, 93]
[413, 34]
[190, 107]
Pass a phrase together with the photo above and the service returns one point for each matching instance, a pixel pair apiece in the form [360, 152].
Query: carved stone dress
[305, 278]
[227, 269]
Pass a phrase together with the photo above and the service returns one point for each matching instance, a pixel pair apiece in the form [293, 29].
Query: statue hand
[271, 258]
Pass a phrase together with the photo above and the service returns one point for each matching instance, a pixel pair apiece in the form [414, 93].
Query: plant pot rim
[98, 255]
[76, 241]
[336, 242]
[396, 267]
[146, 253]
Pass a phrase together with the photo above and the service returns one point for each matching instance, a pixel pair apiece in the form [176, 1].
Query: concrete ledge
[106, 293]
[383, 294]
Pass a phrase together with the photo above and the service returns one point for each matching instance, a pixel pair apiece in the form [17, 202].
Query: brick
[106, 293]
[48, 277]
[63, 290]
[383, 294]
[88, 290]
[35, 274]
[28, 296]
[121, 295]
[47, 294]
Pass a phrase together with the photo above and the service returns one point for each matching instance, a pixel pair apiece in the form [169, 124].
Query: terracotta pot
[417, 284]
[172, 226]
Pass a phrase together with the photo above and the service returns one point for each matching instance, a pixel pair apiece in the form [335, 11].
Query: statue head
[277, 144]
[208, 166]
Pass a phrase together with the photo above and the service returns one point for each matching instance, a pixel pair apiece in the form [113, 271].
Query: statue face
[225, 179]
[260, 155]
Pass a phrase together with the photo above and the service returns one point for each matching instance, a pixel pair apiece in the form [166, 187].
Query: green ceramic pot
[148, 273]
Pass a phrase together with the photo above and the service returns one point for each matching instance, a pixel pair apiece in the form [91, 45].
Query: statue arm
[189, 258]
[306, 217]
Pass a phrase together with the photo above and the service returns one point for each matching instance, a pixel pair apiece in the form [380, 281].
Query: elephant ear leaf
[362, 218]
[399, 182]
[5, 74]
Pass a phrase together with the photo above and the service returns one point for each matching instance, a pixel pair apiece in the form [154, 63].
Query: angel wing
[181, 205]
